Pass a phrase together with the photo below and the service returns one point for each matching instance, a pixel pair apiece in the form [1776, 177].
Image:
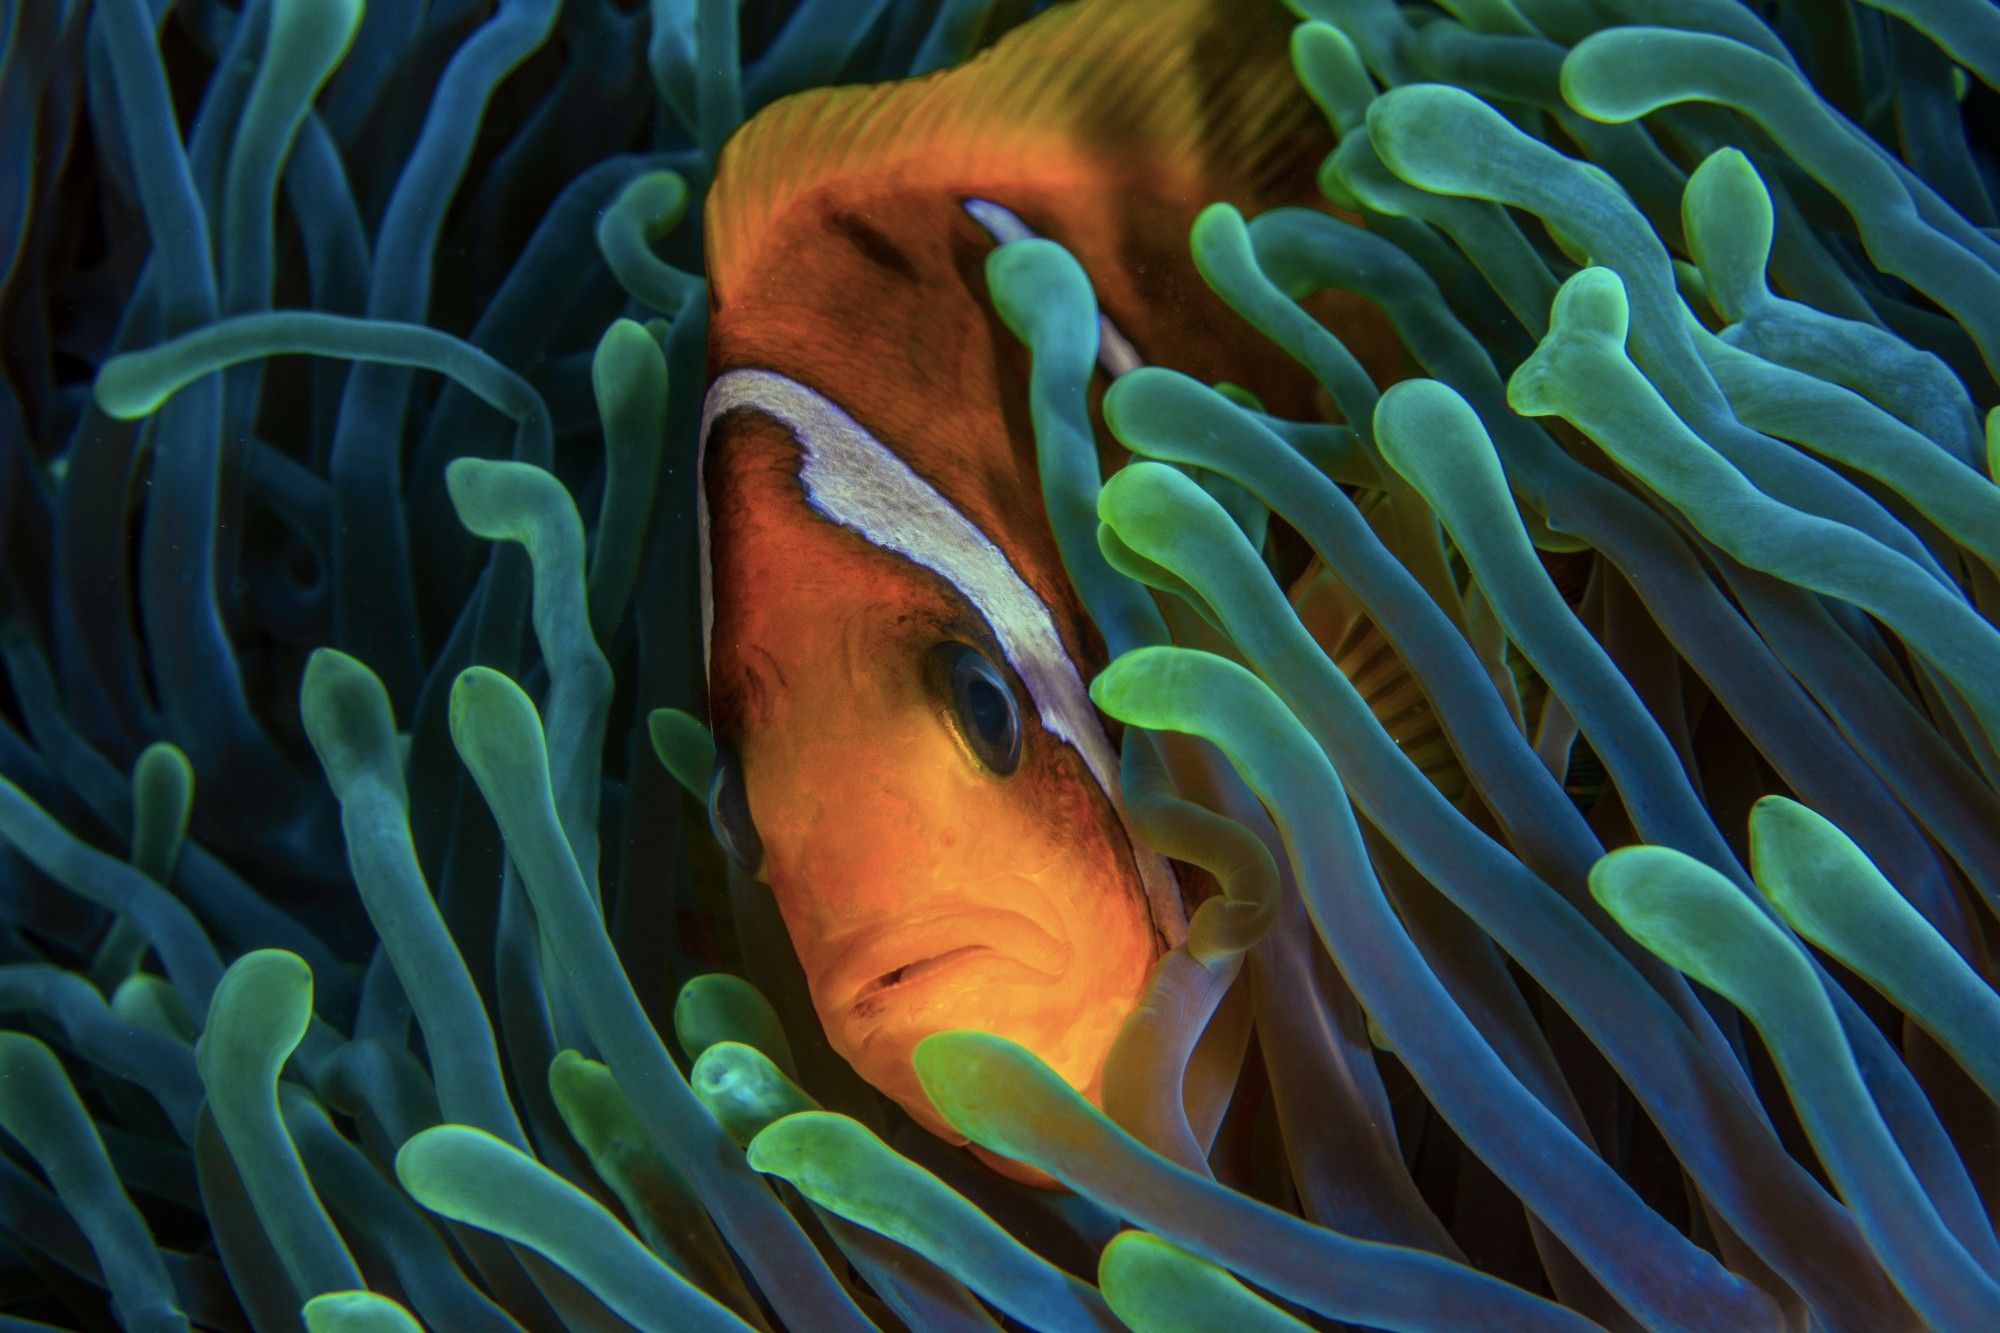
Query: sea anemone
[367, 961]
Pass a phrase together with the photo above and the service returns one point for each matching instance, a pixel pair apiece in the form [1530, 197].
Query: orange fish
[896, 661]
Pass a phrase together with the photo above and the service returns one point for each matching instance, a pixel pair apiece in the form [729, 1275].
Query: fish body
[896, 661]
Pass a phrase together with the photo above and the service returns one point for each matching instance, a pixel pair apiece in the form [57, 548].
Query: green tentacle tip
[1333, 74]
[357, 1312]
[744, 1090]
[470, 1176]
[493, 722]
[720, 1007]
[1435, 136]
[164, 777]
[1185, 689]
[592, 1106]
[1729, 221]
[648, 208]
[150, 1002]
[308, 40]
[1604, 75]
[1129, 688]
[1590, 312]
[1821, 882]
[628, 373]
[260, 1013]
[1145, 500]
[1040, 291]
[1826, 887]
[1703, 925]
[1220, 242]
[840, 1165]
[348, 717]
[1138, 512]
[1151, 514]
[658, 198]
[133, 385]
[943, 1060]
[1993, 445]
[685, 747]
[811, 1148]
[1422, 426]
[961, 1069]
[502, 500]
[596, 1113]
[1335, 184]
[663, 1204]
[655, 201]
[1156, 1287]
[1813, 873]
[1592, 304]
[162, 799]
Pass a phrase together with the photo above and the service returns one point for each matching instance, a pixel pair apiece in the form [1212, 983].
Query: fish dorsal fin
[1191, 99]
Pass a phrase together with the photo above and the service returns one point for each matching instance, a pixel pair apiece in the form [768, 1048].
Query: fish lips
[891, 962]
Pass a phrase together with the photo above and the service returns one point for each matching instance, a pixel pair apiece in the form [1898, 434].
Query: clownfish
[897, 664]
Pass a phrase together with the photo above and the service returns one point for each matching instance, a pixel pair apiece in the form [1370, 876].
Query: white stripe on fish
[856, 481]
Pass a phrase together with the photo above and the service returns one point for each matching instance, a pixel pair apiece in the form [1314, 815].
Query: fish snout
[891, 961]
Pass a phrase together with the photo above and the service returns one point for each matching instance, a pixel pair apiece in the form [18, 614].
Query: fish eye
[729, 811]
[982, 706]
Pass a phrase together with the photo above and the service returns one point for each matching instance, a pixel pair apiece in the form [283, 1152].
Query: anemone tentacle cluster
[365, 961]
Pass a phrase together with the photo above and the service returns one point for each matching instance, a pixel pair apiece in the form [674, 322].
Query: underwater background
[365, 959]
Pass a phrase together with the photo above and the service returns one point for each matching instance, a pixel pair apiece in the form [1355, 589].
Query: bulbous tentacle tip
[336, 682]
[268, 974]
[1775, 818]
[1332, 72]
[1727, 213]
[1592, 304]
[1590, 308]
[346, 712]
[1219, 223]
[425, 1156]
[1598, 75]
[1031, 274]
[1133, 395]
[1143, 492]
[661, 197]
[745, 1091]
[625, 355]
[126, 389]
[1423, 424]
[1127, 688]
[164, 771]
[260, 1011]
[492, 719]
[357, 1312]
[953, 1064]
[1421, 132]
[492, 495]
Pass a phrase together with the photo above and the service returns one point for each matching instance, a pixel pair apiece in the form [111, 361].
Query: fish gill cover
[353, 364]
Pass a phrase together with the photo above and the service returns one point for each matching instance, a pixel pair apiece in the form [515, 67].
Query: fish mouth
[885, 962]
[911, 973]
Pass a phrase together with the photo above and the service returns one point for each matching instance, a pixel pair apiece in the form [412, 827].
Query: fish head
[942, 849]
